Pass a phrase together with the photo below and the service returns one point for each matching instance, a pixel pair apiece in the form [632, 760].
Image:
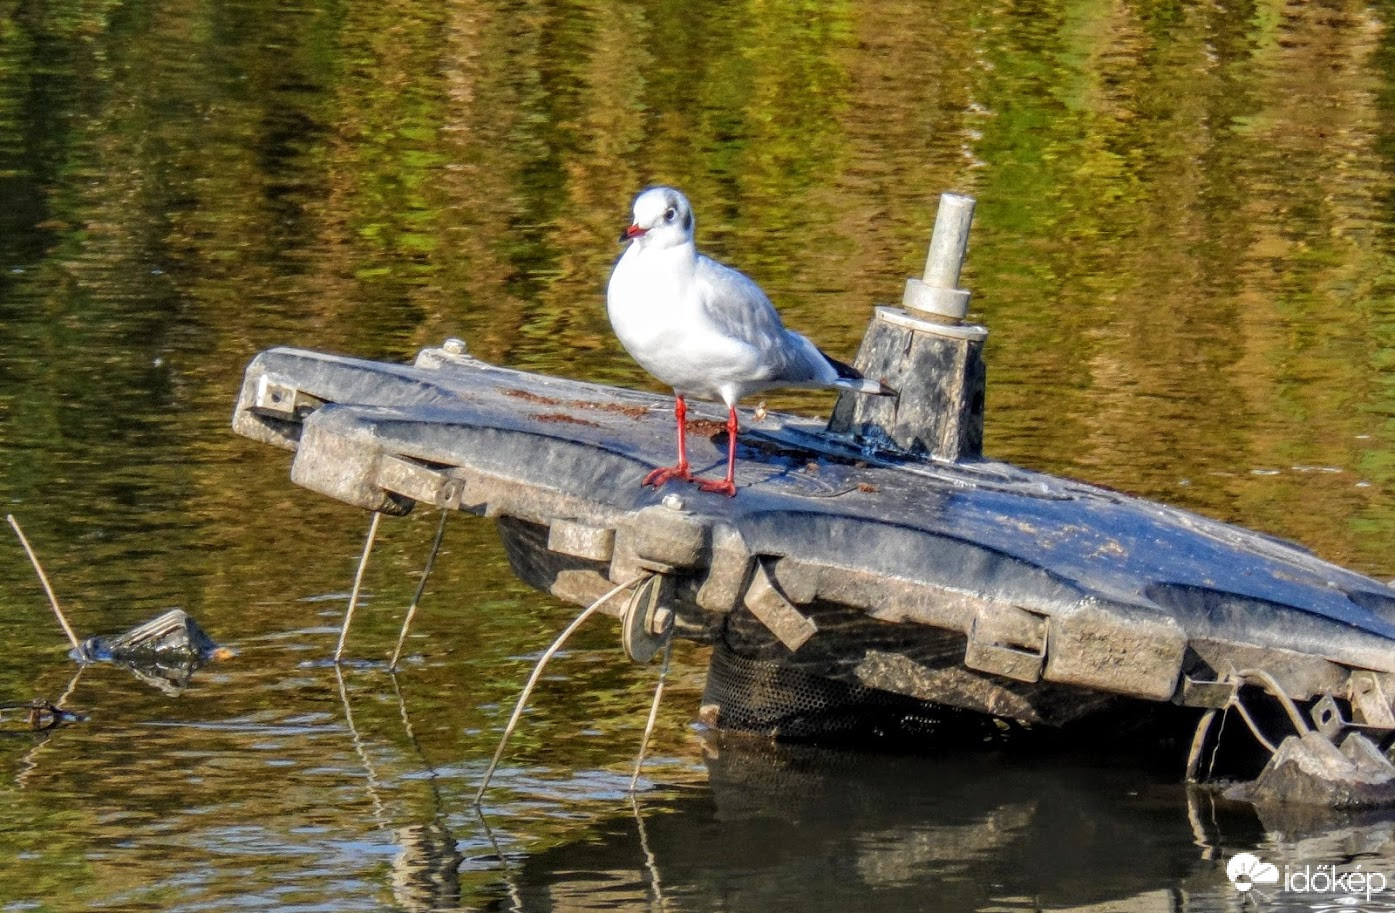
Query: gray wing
[737, 308]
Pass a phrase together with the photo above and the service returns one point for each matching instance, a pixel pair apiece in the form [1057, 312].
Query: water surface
[1183, 250]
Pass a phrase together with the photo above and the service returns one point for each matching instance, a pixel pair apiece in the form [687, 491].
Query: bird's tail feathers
[849, 378]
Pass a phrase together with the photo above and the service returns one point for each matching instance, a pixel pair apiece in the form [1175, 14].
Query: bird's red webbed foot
[728, 485]
[725, 486]
[681, 472]
[668, 474]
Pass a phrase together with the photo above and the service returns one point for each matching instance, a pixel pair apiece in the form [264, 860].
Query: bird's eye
[669, 214]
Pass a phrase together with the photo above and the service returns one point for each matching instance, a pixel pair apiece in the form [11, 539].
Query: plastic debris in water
[163, 652]
[173, 635]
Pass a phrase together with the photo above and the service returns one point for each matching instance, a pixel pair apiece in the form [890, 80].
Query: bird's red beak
[629, 234]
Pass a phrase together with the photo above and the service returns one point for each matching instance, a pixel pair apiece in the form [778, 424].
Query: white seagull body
[703, 328]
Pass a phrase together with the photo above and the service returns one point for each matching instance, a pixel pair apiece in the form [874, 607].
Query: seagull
[705, 329]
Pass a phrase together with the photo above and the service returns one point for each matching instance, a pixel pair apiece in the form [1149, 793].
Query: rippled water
[1183, 250]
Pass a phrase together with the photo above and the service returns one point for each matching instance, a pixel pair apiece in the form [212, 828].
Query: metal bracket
[581, 540]
[646, 622]
[277, 399]
[1212, 695]
[1010, 643]
[669, 535]
[1370, 704]
[420, 483]
[777, 613]
[1327, 718]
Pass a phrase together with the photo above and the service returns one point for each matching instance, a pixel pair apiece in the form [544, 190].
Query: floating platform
[875, 574]
[839, 578]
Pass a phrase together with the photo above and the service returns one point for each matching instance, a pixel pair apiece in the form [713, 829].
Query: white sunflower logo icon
[1245, 870]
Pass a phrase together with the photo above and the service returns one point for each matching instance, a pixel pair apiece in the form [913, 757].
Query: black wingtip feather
[844, 370]
[849, 373]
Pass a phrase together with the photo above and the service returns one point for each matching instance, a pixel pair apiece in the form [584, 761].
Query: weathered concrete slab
[977, 584]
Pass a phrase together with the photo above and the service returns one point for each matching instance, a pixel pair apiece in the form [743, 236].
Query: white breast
[658, 318]
[706, 329]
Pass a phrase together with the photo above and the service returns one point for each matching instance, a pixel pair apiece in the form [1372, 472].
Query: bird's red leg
[728, 485]
[681, 471]
[680, 412]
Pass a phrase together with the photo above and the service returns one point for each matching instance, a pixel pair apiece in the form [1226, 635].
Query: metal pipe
[937, 293]
[1254, 727]
[358, 584]
[421, 589]
[1272, 686]
[537, 674]
[1203, 729]
[950, 241]
[653, 711]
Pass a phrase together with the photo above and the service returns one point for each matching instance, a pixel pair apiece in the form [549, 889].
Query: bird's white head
[662, 218]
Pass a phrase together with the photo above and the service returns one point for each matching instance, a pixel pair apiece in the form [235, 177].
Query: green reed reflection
[1183, 251]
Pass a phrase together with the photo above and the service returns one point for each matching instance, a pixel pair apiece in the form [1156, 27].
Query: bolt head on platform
[937, 293]
[952, 303]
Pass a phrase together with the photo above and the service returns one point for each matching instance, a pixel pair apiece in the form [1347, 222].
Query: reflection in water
[1183, 250]
[426, 874]
[29, 762]
[841, 831]
[850, 832]
[351, 794]
[372, 785]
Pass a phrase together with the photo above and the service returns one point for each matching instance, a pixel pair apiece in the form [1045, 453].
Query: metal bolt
[949, 241]
[672, 502]
[454, 346]
[936, 292]
[661, 622]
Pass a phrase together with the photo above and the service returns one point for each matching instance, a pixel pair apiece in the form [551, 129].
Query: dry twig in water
[43, 578]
